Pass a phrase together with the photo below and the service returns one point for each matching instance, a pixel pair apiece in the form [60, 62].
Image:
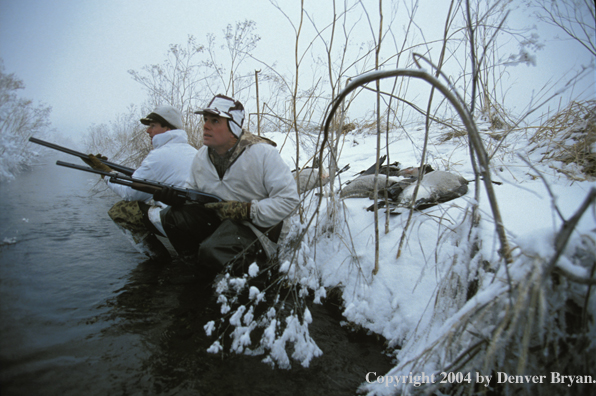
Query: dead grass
[570, 137]
[452, 135]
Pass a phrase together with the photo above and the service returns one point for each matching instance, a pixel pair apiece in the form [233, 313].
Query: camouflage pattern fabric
[231, 210]
[247, 139]
[94, 162]
[128, 215]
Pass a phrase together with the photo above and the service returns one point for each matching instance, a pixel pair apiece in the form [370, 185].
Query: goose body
[435, 187]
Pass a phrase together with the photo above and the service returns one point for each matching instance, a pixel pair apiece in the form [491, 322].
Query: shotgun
[118, 168]
[147, 186]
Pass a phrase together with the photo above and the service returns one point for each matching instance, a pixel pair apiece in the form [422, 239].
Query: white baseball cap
[229, 108]
[164, 115]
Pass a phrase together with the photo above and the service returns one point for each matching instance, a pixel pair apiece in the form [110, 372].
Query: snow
[418, 298]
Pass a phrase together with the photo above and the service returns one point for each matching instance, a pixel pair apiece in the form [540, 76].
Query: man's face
[155, 128]
[216, 134]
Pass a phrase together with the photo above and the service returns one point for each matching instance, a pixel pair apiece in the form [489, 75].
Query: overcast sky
[75, 54]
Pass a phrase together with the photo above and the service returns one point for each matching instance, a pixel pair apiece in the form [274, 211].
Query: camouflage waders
[131, 217]
[200, 236]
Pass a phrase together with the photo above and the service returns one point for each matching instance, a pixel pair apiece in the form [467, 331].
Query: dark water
[83, 314]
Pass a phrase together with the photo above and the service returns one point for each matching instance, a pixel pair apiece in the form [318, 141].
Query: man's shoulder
[170, 138]
[250, 139]
[174, 149]
[172, 152]
[261, 150]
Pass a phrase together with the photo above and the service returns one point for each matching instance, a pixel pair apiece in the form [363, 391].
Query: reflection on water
[63, 261]
[83, 313]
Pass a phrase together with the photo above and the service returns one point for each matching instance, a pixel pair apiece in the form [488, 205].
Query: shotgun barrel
[148, 186]
[118, 168]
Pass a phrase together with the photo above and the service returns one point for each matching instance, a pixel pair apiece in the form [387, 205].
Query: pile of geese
[394, 183]
[398, 185]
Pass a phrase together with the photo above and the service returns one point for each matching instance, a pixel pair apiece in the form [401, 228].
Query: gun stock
[147, 186]
[118, 168]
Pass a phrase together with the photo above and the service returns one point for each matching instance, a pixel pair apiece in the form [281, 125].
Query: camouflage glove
[231, 210]
[95, 163]
[88, 161]
[168, 196]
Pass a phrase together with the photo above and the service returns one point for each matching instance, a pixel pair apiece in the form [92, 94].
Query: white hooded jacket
[169, 162]
[259, 175]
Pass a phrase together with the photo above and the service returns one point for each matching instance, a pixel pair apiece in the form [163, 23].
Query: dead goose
[363, 186]
[436, 187]
[389, 169]
[392, 178]
[414, 171]
[309, 176]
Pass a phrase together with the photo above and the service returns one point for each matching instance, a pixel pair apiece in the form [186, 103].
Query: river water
[82, 313]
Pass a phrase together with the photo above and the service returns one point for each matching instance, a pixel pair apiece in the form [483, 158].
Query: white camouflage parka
[169, 162]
